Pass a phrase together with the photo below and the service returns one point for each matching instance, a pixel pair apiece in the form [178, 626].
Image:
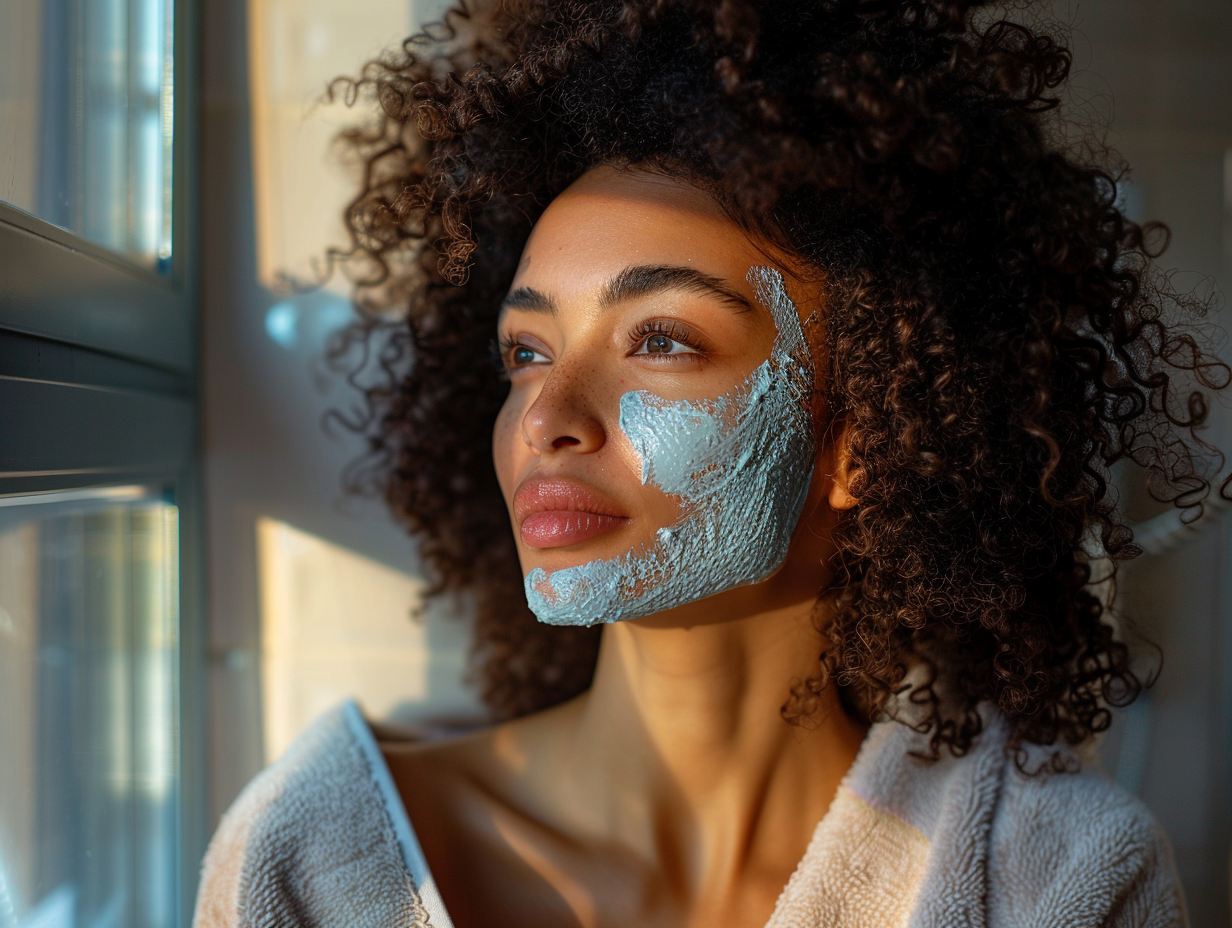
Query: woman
[815, 348]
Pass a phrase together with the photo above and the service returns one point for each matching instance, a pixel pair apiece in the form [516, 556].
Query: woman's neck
[679, 751]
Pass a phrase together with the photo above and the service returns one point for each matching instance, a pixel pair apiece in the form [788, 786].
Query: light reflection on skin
[672, 793]
[581, 903]
[511, 753]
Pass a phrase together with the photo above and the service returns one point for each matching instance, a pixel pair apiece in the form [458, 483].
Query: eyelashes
[665, 340]
[508, 354]
[665, 329]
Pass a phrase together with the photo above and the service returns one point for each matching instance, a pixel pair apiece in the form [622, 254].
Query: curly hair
[996, 335]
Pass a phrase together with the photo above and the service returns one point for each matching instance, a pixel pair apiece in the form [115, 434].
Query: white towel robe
[321, 839]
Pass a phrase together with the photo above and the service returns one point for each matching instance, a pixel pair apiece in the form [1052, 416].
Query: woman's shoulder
[457, 788]
[497, 764]
[293, 841]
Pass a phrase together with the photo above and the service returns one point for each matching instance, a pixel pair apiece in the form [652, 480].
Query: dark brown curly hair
[996, 336]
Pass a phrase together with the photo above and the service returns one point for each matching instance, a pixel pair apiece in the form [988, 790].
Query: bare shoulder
[477, 804]
[492, 767]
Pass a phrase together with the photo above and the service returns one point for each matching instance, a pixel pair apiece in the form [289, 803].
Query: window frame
[98, 387]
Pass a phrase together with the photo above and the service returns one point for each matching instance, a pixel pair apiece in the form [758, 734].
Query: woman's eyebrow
[642, 280]
[529, 300]
[632, 282]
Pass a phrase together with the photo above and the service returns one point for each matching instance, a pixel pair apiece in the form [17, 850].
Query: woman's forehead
[612, 220]
[613, 223]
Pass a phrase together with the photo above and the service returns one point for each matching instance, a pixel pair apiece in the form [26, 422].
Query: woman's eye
[517, 355]
[663, 344]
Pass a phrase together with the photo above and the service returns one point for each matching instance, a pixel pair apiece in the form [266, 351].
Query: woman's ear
[839, 459]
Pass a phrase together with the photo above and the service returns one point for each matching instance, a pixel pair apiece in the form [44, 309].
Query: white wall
[267, 453]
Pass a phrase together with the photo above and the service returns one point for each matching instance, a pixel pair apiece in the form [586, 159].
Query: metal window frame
[98, 387]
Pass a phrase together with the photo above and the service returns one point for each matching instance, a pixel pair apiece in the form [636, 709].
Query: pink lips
[555, 513]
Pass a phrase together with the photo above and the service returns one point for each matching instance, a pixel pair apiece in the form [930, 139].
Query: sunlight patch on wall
[337, 625]
[296, 47]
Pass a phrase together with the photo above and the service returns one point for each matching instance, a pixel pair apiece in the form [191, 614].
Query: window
[101, 801]
[89, 608]
[87, 89]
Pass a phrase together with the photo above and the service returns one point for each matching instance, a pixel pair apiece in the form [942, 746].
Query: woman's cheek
[506, 438]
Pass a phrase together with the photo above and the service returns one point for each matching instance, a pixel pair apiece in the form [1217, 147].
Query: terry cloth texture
[321, 838]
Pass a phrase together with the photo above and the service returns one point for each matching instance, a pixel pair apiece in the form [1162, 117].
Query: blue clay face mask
[740, 464]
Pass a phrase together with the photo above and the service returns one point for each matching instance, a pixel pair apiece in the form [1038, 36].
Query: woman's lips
[558, 529]
[555, 513]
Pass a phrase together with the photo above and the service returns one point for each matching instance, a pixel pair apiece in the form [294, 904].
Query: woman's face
[631, 282]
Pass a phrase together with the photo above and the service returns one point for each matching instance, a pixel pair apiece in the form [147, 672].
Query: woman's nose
[562, 417]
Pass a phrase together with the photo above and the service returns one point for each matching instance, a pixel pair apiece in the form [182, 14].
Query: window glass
[88, 690]
[86, 105]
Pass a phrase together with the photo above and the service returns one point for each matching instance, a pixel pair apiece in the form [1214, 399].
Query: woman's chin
[750, 601]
